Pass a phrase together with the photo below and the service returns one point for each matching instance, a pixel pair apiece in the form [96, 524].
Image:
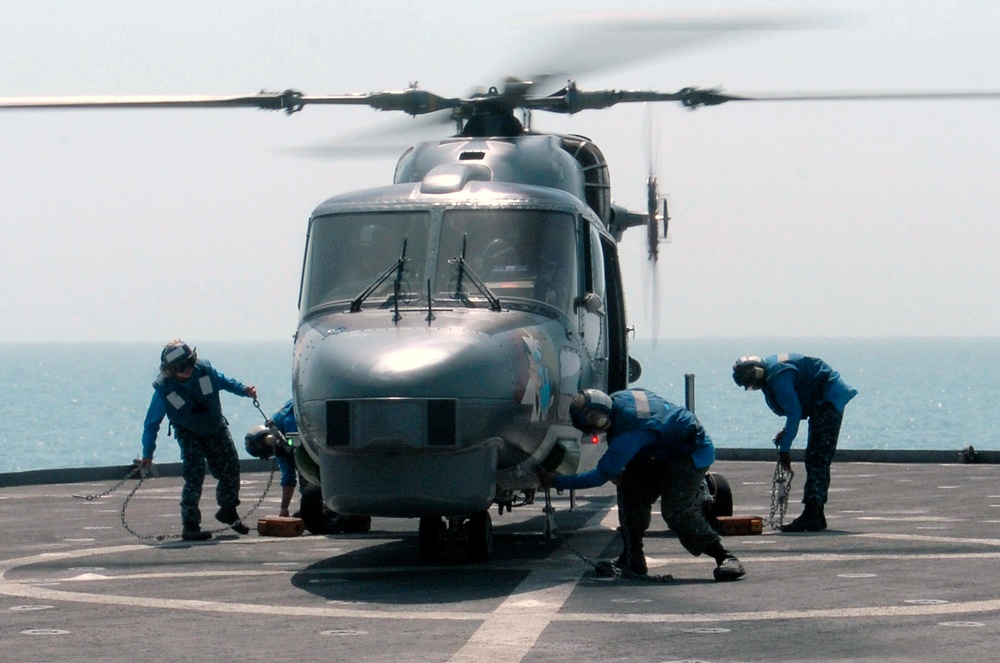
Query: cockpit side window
[346, 253]
[597, 282]
[521, 255]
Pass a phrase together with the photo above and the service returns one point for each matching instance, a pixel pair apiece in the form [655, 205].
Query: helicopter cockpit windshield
[522, 257]
[348, 253]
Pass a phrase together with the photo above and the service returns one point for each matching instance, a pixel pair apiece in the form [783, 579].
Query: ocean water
[82, 405]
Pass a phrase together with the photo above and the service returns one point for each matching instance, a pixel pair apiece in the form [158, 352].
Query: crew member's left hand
[252, 392]
[545, 479]
[785, 460]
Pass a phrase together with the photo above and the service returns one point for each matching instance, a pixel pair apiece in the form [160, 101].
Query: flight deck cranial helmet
[748, 372]
[177, 356]
[261, 442]
[590, 411]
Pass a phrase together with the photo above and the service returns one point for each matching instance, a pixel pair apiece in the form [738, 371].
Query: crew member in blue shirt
[187, 393]
[798, 387]
[284, 420]
[262, 442]
[655, 450]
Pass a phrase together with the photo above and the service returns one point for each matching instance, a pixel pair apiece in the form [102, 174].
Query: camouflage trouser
[219, 453]
[676, 484]
[824, 429]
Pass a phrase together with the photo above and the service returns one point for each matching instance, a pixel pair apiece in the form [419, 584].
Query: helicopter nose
[407, 363]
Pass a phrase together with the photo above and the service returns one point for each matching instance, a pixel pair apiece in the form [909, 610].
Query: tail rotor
[654, 214]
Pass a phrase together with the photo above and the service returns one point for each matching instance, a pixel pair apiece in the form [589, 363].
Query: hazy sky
[797, 219]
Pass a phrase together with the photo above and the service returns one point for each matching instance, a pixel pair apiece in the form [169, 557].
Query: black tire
[430, 541]
[722, 494]
[479, 536]
[357, 524]
[315, 516]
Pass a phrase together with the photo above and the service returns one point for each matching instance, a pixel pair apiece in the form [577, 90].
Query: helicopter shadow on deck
[390, 572]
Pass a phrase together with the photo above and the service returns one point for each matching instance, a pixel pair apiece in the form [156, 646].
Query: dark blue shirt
[192, 404]
[643, 424]
[795, 384]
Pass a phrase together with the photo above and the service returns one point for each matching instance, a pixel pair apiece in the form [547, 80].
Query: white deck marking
[508, 633]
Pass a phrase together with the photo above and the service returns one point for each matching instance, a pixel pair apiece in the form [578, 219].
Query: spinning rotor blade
[412, 100]
[597, 41]
[695, 97]
[289, 101]
[651, 147]
[389, 138]
[651, 140]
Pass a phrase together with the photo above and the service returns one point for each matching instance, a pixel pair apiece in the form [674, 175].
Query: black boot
[194, 533]
[812, 520]
[632, 561]
[231, 518]
[729, 568]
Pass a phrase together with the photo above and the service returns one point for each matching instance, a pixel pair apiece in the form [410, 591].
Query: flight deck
[905, 572]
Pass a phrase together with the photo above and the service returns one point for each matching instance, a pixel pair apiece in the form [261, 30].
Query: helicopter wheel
[431, 538]
[357, 524]
[722, 495]
[479, 536]
[314, 514]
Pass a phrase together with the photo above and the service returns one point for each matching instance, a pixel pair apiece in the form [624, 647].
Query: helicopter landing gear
[474, 531]
[431, 538]
[551, 528]
[318, 519]
[479, 536]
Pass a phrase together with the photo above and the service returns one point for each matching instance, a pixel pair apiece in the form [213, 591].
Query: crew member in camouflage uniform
[187, 393]
[656, 450]
[798, 387]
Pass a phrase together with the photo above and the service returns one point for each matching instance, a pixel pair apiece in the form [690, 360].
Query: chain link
[781, 488]
[610, 570]
[136, 469]
[143, 472]
[163, 537]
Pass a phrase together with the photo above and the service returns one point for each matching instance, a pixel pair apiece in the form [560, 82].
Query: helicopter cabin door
[602, 324]
[614, 307]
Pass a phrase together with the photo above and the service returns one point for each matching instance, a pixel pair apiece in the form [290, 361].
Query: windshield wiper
[396, 267]
[463, 268]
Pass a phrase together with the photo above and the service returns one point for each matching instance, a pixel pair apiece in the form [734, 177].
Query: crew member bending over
[655, 450]
[798, 387]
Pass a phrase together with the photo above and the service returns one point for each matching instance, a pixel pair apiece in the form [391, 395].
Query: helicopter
[447, 319]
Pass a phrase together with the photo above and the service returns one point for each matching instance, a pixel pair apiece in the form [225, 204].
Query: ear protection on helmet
[260, 442]
[177, 355]
[591, 409]
[748, 371]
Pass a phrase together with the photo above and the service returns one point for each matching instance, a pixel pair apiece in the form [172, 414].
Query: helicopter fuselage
[446, 323]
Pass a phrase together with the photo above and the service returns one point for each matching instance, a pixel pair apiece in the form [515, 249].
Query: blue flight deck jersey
[795, 384]
[643, 424]
[284, 419]
[191, 404]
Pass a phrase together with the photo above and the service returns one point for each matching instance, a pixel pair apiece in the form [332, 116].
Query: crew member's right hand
[785, 460]
[146, 462]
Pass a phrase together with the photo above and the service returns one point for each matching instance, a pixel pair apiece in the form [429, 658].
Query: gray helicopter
[447, 320]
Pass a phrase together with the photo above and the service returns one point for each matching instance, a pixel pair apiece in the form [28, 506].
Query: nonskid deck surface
[905, 572]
